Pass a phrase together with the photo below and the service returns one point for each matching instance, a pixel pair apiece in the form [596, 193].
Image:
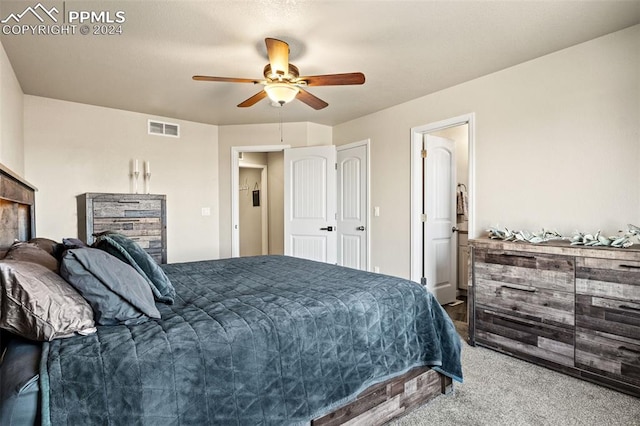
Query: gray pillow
[127, 250]
[31, 252]
[115, 291]
[38, 304]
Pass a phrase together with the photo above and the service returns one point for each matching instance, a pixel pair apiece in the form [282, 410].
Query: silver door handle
[454, 229]
[360, 228]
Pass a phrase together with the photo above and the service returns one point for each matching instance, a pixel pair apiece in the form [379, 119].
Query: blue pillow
[115, 291]
[130, 252]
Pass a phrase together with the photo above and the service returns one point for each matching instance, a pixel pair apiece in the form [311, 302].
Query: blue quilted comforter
[268, 340]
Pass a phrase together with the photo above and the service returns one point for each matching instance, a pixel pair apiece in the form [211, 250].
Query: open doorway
[442, 206]
[257, 168]
[253, 207]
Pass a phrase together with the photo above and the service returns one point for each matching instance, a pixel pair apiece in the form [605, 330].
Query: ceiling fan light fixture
[281, 93]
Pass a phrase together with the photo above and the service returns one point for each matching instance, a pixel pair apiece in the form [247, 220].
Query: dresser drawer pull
[125, 220]
[527, 289]
[629, 266]
[630, 308]
[517, 256]
[624, 348]
[503, 317]
[129, 201]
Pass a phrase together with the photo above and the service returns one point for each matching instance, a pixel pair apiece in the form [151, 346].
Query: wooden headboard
[17, 208]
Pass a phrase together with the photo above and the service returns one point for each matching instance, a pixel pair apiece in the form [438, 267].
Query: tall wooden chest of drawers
[573, 309]
[141, 217]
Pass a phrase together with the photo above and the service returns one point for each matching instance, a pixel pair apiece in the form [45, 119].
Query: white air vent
[164, 129]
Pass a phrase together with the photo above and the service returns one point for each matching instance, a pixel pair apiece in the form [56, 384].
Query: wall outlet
[206, 211]
[376, 269]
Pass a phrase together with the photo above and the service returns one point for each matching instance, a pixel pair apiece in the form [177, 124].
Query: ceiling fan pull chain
[280, 116]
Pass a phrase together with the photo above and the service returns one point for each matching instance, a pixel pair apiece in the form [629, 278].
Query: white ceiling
[406, 49]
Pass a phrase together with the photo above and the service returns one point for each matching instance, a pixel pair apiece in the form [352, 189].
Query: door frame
[235, 188]
[417, 134]
[264, 206]
[367, 144]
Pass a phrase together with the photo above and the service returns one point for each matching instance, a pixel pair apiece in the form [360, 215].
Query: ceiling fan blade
[224, 79]
[311, 100]
[253, 100]
[278, 52]
[334, 79]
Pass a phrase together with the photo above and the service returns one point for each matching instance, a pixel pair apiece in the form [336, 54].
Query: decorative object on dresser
[141, 217]
[574, 309]
[578, 238]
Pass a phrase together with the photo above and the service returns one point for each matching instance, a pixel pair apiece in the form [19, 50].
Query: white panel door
[310, 203]
[353, 207]
[440, 210]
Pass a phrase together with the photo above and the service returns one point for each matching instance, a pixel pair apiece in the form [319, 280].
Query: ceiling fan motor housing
[275, 76]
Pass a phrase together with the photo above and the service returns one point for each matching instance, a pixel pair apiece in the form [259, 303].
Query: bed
[258, 340]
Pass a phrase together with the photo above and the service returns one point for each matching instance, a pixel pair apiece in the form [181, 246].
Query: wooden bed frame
[17, 208]
[376, 405]
[388, 400]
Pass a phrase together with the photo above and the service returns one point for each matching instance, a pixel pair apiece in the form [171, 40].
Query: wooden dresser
[574, 309]
[142, 217]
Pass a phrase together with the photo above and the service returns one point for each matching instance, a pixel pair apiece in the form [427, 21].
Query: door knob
[360, 228]
[328, 228]
[454, 229]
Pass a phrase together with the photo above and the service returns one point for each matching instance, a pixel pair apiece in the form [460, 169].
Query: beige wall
[557, 146]
[275, 162]
[73, 148]
[11, 117]
[250, 216]
[293, 134]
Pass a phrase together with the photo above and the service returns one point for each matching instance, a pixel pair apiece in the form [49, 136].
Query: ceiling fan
[282, 81]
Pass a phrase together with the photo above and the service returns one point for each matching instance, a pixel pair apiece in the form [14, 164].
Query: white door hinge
[423, 217]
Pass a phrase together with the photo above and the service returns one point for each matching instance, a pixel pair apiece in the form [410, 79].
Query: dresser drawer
[610, 278]
[617, 317]
[127, 208]
[129, 226]
[525, 338]
[545, 306]
[526, 285]
[608, 355]
[526, 269]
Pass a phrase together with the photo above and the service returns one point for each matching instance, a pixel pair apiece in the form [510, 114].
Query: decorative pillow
[30, 252]
[38, 304]
[71, 243]
[130, 252]
[115, 291]
[47, 244]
